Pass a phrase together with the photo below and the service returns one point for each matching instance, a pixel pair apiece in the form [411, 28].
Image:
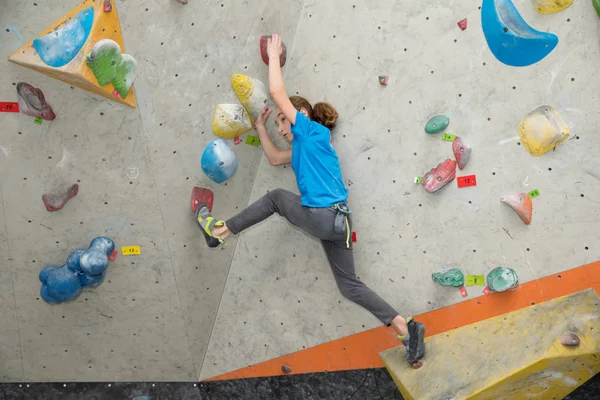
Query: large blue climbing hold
[83, 268]
[511, 40]
[218, 161]
[60, 46]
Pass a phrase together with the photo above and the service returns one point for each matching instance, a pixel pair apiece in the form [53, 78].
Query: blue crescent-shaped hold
[511, 40]
[60, 46]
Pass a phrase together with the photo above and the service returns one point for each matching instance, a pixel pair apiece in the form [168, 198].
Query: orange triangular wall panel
[85, 49]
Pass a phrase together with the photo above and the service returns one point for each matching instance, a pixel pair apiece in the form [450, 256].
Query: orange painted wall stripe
[362, 350]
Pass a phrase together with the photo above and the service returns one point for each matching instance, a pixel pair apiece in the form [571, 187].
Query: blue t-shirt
[316, 164]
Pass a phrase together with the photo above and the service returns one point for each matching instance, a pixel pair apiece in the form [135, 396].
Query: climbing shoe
[414, 342]
[207, 222]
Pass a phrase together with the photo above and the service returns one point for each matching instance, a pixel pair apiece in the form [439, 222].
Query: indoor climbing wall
[178, 310]
[284, 292]
[152, 317]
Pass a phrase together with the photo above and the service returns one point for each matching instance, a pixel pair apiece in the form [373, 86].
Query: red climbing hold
[202, 195]
[383, 80]
[55, 202]
[462, 24]
[463, 291]
[33, 103]
[113, 255]
[116, 94]
[107, 6]
[439, 176]
[264, 40]
[417, 364]
[461, 151]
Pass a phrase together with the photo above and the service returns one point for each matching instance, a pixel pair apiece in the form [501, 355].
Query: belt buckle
[343, 208]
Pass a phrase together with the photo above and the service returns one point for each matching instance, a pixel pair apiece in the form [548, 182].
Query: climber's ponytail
[323, 113]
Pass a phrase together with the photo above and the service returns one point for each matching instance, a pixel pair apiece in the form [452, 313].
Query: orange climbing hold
[522, 204]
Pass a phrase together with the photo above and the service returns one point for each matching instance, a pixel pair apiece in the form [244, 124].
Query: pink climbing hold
[55, 202]
[33, 103]
[107, 6]
[462, 24]
[462, 152]
[439, 176]
[264, 40]
[116, 94]
[570, 340]
[113, 255]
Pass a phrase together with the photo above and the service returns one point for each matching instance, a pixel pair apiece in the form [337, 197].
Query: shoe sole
[210, 241]
[416, 341]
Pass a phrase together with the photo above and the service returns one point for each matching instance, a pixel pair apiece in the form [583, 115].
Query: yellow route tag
[130, 250]
[474, 280]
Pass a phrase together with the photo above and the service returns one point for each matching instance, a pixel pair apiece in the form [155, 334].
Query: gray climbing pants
[318, 222]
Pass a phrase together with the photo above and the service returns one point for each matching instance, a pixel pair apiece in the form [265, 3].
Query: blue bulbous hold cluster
[84, 267]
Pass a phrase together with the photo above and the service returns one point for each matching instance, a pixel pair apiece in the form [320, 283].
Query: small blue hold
[61, 285]
[92, 280]
[93, 262]
[83, 268]
[103, 244]
[73, 261]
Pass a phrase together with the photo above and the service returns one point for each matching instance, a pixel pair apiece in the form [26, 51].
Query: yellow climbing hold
[542, 130]
[231, 120]
[251, 93]
[551, 6]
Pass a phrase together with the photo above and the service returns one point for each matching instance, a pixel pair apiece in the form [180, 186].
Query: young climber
[321, 208]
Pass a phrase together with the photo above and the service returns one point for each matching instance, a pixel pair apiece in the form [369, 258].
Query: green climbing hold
[596, 4]
[502, 278]
[437, 124]
[453, 277]
[109, 65]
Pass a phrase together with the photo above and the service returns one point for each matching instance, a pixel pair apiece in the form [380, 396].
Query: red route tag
[9, 107]
[466, 181]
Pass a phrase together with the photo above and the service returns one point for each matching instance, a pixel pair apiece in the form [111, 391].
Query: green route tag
[253, 140]
[474, 280]
[534, 193]
[37, 120]
[418, 179]
[448, 137]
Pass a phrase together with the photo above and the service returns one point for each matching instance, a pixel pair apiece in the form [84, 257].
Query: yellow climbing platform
[518, 355]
